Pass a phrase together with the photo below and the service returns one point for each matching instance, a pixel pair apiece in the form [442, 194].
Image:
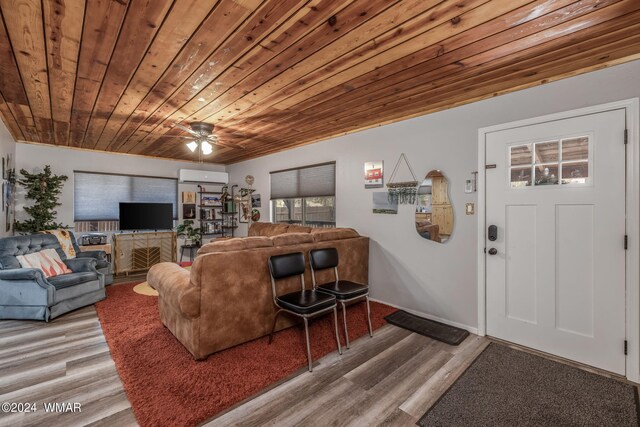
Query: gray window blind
[308, 181]
[97, 196]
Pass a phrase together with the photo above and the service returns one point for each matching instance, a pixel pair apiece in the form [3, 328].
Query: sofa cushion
[325, 234]
[267, 229]
[291, 239]
[229, 245]
[65, 280]
[254, 242]
[298, 229]
[46, 260]
[10, 247]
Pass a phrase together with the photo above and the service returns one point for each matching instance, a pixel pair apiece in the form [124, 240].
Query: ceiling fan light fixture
[192, 146]
[206, 147]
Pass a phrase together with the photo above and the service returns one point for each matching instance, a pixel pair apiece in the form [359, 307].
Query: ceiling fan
[202, 138]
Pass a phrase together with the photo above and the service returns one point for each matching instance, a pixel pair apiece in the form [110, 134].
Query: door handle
[493, 251]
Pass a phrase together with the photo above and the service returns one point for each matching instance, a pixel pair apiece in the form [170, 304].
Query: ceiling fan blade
[186, 129]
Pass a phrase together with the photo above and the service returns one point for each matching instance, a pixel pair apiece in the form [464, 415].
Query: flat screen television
[146, 216]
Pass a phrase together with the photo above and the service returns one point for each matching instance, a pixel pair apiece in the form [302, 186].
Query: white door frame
[632, 112]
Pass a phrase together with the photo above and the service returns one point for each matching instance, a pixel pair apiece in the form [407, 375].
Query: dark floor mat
[508, 387]
[429, 328]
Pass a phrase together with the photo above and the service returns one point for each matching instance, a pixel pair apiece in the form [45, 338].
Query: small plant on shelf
[192, 235]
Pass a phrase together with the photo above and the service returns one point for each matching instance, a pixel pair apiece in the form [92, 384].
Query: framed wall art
[374, 174]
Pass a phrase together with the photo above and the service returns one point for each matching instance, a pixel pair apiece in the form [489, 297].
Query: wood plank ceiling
[116, 75]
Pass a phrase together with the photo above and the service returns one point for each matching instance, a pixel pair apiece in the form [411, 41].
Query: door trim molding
[632, 113]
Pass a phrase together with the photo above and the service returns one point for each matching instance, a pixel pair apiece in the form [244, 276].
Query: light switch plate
[469, 208]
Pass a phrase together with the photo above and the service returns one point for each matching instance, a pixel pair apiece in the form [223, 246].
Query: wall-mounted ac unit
[208, 177]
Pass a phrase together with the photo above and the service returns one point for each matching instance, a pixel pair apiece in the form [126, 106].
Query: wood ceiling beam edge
[139, 28]
[552, 5]
[150, 122]
[347, 43]
[410, 62]
[165, 87]
[445, 16]
[536, 80]
[307, 31]
[9, 120]
[23, 21]
[422, 91]
[62, 43]
[452, 18]
[12, 87]
[181, 23]
[170, 115]
[536, 39]
[569, 25]
[436, 61]
[354, 32]
[100, 33]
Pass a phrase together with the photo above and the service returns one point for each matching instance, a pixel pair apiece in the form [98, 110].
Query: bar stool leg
[344, 317]
[275, 319]
[306, 333]
[335, 323]
[369, 317]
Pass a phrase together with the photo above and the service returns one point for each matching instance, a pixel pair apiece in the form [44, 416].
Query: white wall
[7, 147]
[64, 161]
[406, 270]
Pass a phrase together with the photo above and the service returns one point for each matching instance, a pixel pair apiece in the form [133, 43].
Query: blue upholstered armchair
[25, 293]
[102, 265]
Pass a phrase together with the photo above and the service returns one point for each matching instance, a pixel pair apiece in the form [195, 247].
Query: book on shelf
[207, 214]
[212, 201]
[212, 228]
[229, 221]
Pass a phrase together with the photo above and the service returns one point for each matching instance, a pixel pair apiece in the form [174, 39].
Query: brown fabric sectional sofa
[226, 298]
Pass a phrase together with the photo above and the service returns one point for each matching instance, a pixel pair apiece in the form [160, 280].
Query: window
[563, 161]
[97, 197]
[305, 195]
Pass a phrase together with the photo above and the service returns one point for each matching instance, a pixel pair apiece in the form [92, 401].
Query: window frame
[559, 163]
[303, 222]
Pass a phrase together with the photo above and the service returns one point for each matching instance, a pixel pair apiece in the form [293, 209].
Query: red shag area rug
[166, 386]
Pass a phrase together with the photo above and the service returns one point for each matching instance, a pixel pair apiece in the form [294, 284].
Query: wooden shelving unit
[215, 220]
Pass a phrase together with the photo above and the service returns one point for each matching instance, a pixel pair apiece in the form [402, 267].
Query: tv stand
[139, 251]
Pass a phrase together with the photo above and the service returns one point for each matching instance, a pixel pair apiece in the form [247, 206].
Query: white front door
[556, 272]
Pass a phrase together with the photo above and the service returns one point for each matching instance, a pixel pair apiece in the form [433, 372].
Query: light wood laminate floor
[390, 379]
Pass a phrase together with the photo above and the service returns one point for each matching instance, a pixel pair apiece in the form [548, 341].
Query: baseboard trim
[471, 329]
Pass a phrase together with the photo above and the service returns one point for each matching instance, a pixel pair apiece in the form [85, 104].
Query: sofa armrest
[78, 265]
[99, 255]
[173, 283]
[32, 274]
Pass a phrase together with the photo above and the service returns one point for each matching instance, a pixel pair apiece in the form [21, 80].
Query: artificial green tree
[43, 189]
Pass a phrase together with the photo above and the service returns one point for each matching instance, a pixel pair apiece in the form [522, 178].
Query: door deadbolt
[493, 233]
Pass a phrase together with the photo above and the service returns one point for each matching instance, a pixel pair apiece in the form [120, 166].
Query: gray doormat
[429, 328]
[507, 387]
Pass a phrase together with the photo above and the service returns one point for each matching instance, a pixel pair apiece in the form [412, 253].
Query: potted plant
[191, 234]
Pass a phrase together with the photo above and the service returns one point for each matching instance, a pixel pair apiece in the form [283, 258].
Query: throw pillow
[66, 243]
[46, 260]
